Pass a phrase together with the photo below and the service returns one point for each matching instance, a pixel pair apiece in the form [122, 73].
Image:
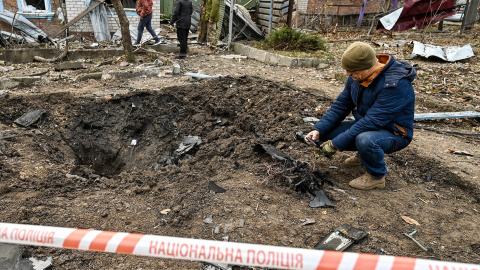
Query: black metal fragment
[212, 186]
[30, 118]
[297, 175]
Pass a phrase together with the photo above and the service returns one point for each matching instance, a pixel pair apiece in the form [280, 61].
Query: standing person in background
[212, 15]
[144, 9]
[182, 18]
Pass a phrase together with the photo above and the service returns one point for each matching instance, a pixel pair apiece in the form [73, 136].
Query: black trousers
[182, 36]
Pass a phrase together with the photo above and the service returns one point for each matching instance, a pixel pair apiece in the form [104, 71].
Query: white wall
[75, 7]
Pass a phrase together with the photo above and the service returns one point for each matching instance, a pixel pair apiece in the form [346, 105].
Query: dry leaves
[410, 220]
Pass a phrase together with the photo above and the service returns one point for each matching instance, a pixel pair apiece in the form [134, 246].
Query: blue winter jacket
[387, 103]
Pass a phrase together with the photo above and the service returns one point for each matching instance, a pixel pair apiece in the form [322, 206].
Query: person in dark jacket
[380, 95]
[182, 18]
[144, 9]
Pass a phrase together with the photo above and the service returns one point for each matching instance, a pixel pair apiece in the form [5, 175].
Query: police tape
[212, 251]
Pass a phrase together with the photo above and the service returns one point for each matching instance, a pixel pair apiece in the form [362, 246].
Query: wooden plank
[78, 17]
[267, 17]
[275, 5]
[264, 24]
[275, 12]
[267, 6]
[446, 115]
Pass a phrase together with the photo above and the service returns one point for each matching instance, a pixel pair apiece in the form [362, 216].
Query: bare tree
[125, 28]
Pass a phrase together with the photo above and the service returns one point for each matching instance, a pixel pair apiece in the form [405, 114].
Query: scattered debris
[188, 144]
[450, 54]
[75, 176]
[234, 56]
[12, 256]
[137, 102]
[51, 60]
[30, 118]
[69, 66]
[165, 211]
[216, 266]
[29, 31]
[214, 188]
[310, 119]
[410, 220]
[307, 221]
[10, 36]
[297, 175]
[34, 263]
[416, 13]
[341, 238]
[202, 76]
[272, 151]
[461, 153]
[243, 26]
[187, 148]
[397, 43]
[208, 220]
[319, 200]
[416, 242]
[229, 227]
[446, 115]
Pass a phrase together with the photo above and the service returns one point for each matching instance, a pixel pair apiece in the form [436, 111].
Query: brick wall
[84, 25]
[47, 25]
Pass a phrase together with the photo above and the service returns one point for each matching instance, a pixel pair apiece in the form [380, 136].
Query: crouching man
[380, 96]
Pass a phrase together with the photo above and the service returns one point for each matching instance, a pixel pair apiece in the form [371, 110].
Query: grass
[294, 43]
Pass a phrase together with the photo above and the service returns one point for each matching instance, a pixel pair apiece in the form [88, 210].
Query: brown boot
[367, 181]
[353, 161]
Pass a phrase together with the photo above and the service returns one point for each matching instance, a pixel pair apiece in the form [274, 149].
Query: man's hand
[313, 136]
[210, 21]
[328, 149]
[171, 26]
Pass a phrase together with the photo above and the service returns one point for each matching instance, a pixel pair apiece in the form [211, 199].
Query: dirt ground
[79, 169]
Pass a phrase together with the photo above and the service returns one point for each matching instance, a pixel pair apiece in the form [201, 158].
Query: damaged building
[96, 20]
[54, 17]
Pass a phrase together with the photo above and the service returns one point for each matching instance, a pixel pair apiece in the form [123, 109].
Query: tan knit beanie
[358, 56]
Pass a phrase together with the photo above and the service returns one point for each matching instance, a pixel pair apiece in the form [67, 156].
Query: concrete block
[10, 255]
[93, 76]
[239, 48]
[323, 66]
[317, 61]
[271, 58]
[24, 81]
[167, 48]
[259, 55]
[288, 61]
[69, 66]
[305, 62]
[247, 50]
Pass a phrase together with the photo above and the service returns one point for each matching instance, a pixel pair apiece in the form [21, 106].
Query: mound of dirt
[99, 163]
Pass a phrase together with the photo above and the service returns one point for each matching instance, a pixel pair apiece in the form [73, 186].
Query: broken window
[33, 8]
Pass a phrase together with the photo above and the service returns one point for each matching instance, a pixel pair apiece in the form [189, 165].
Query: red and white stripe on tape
[212, 251]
